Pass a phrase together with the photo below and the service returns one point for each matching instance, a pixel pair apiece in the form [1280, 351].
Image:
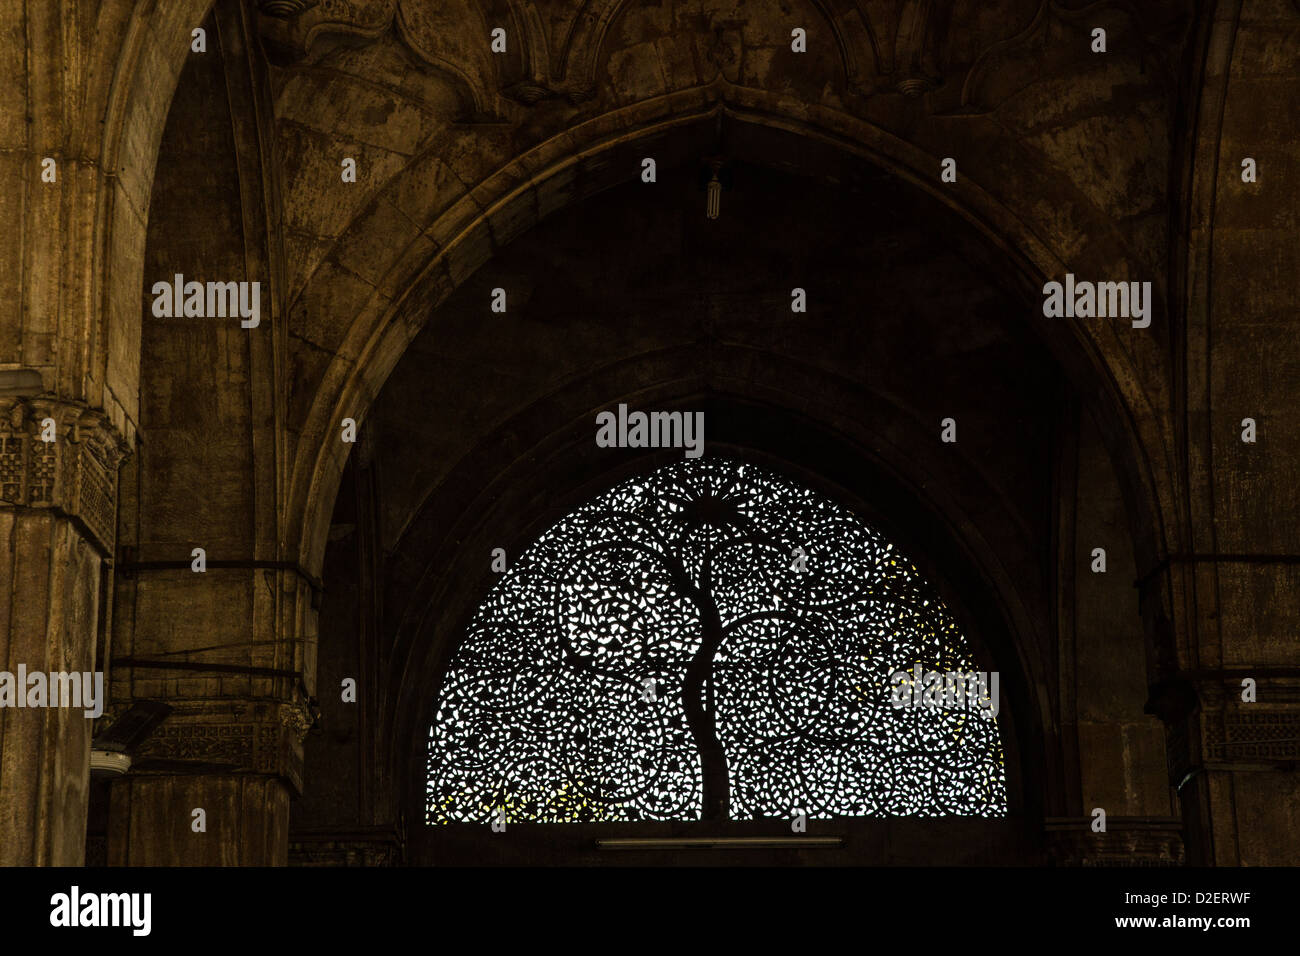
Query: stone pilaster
[245, 820]
[1234, 765]
[232, 745]
[57, 509]
[238, 761]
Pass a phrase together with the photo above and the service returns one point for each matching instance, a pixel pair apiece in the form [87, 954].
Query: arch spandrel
[1102, 358]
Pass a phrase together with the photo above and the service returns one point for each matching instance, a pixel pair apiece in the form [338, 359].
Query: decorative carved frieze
[64, 456]
[369, 846]
[260, 737]
[1244, 734]
[556, 50]
[1127, 841]
[1218, 728]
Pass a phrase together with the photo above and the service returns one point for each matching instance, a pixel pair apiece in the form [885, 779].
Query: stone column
[1233, 763]
[57, 521]
[1227, 605]
[228, 647]
[238, 762]
[232, 746]
[216, 647]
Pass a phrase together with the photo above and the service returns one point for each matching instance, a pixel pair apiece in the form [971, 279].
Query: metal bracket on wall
[216, 669]
[129, 568]
[1190, 558]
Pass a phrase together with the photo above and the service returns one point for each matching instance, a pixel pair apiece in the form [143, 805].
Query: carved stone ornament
[64, 456]
[243, 737]
[1128, 841]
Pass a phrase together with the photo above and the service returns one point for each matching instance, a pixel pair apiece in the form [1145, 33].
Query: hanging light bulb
[715, 166]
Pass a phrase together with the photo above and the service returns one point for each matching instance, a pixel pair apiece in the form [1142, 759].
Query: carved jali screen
[709, 641]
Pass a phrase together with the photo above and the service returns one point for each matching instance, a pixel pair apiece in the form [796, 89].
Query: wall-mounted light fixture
[109, 763]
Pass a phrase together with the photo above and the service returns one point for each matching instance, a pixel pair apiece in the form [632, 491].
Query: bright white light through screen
[567, 701]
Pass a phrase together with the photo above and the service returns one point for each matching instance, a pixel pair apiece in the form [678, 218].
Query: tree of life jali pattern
[709, 641]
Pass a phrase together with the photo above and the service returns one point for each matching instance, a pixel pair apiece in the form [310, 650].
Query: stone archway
[517, 472]
[509, 203]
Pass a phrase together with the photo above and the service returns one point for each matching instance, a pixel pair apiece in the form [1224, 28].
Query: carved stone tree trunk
[701, 704]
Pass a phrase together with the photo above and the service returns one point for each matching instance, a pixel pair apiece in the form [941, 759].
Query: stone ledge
[1128, 841]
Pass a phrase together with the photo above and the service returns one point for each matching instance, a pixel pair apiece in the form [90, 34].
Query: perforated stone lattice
[572, 695]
